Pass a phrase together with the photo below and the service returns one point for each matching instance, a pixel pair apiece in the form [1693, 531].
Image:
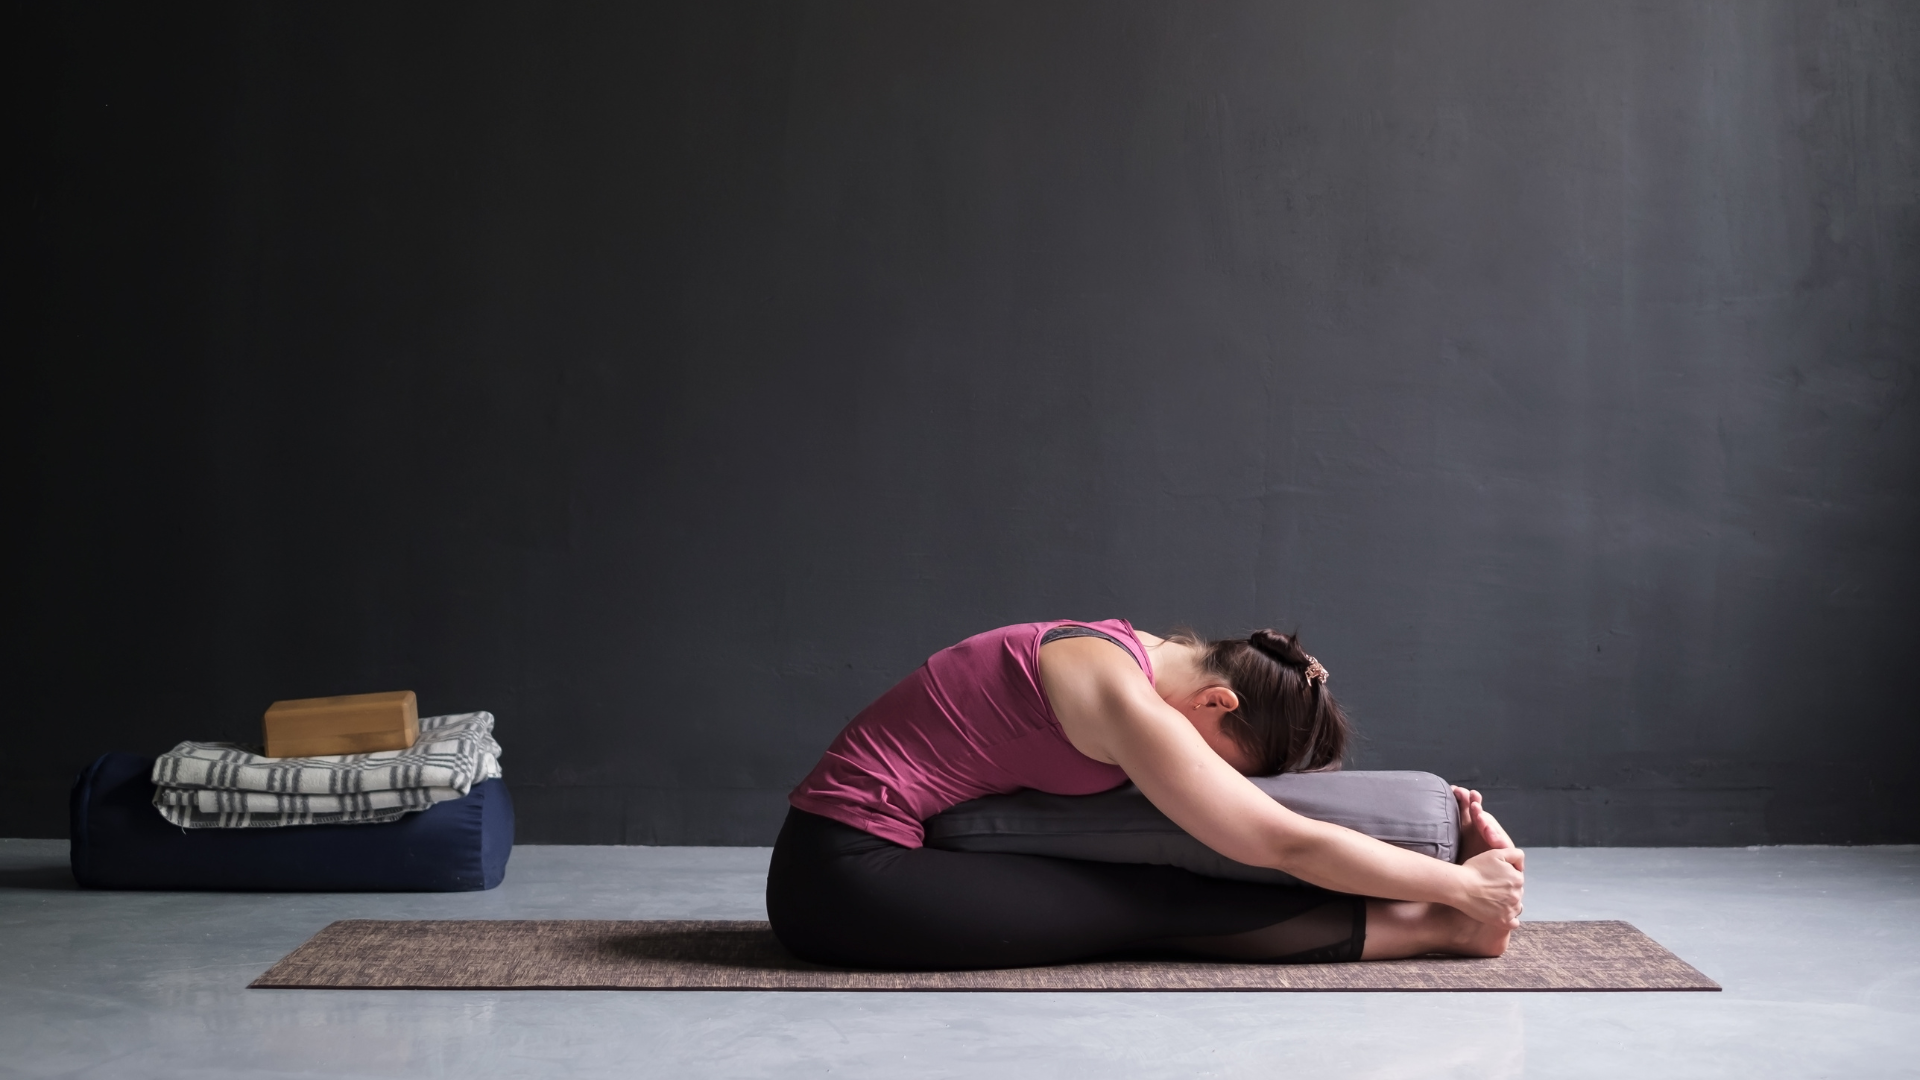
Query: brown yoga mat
[367, 954]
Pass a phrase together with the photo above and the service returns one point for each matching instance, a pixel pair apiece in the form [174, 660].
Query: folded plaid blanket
[224, 786]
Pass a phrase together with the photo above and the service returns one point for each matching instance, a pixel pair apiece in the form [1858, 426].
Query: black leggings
[840, 896]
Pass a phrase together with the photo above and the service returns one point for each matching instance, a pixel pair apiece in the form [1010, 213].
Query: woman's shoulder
[1117, 631]
[1036, 630]
[1019, 644]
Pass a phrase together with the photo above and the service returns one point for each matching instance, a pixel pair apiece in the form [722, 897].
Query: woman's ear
[1219, 697]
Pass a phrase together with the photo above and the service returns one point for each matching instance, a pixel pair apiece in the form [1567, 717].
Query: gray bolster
[1413, 810]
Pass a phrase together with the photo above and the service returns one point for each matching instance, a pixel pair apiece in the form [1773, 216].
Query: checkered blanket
[225, 786]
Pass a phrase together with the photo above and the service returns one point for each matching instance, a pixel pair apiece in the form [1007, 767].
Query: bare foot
[1401, 928]
[1478, 938]
[1493, 833]
[1479, 831]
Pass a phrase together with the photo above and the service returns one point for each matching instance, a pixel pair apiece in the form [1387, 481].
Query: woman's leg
[1401, 928]
[1386, 930]
[1334, 932]
[837, 895]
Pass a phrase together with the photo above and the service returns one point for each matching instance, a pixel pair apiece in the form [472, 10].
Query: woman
[1074, 708]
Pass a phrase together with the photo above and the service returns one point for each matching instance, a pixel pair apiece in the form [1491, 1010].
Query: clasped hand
[1493, 884]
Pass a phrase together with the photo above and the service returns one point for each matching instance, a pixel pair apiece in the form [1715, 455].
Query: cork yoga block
[354, 724]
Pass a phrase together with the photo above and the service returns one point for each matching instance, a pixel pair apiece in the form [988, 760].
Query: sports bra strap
[1059, 633]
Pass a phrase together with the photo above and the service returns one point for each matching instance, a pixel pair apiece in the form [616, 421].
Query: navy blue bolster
[121, 842]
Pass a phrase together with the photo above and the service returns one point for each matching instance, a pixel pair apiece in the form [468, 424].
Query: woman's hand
[1492, 884]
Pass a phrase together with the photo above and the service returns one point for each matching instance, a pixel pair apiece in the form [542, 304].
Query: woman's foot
[1479, 831]
[1473, 938]
[1397, 929]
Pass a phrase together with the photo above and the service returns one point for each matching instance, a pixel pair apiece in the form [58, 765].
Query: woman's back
[971, 721]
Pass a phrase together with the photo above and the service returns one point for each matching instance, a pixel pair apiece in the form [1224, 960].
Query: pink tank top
[971, 721]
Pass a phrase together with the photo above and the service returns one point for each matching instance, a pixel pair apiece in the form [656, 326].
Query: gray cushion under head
[1413, 810]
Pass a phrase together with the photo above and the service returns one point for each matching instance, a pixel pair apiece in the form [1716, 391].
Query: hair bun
[1277, 645]
[1285, 648]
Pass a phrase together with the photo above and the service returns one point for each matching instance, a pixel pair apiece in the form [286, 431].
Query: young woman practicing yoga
[1075, 708]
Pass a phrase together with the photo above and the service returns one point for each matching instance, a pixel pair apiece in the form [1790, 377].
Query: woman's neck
[1176, 666]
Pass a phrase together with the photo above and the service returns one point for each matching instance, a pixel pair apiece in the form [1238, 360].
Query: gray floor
[1819, 950]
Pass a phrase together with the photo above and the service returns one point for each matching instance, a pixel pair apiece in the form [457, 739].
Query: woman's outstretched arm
[1112, 714]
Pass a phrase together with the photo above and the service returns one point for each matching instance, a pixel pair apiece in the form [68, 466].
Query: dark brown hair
[1285, 722]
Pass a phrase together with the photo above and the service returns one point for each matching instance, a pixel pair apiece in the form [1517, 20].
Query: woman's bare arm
[1112, 714]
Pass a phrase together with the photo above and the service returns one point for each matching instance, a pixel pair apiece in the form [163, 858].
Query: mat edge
[1026, 989]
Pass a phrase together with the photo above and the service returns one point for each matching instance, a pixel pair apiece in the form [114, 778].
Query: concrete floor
[1819, 950]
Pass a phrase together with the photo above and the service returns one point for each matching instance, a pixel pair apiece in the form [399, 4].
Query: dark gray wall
[670, 379]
